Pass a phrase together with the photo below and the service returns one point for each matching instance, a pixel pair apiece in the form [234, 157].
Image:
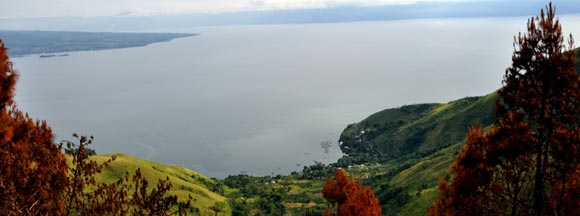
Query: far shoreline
[57, 43]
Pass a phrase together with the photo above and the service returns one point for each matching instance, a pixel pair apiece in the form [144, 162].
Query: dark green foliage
[218, 207]
[87, 151]
[214, 185]
[300, 198]
[238, 181]
[271, 203]
[317, 171]
[239, 208]
[392, 199]
[269, 195]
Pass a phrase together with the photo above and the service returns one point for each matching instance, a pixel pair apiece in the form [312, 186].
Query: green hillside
[414, 130]
[205, 191]
[415, 144]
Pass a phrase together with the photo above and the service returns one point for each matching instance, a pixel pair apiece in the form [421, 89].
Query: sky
[148, 15]
[92, 8]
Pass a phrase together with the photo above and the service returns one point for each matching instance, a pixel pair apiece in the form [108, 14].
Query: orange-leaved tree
[126, 196]
[35, 178]
[32, 168]
[528, 163]
[351, 198]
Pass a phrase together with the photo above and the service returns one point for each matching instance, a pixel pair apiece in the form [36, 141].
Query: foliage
[529, 162]
[350, 197]
[316, 171]
[218, 207]
[274, 195]
[87, 151]
[126, 196]
[185, 182]
[393, 198]
[35, 178]
[33, 170]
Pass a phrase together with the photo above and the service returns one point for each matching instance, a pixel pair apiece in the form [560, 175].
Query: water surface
[261, 99]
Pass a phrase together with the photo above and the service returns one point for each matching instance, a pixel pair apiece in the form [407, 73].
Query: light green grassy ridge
[185, 181]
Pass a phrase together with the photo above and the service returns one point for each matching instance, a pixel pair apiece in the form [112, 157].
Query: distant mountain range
[420, 10]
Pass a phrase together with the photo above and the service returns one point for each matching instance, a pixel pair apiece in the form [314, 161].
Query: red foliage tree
[529, 161]
[126, 196]
[35, 178]
[352, 198]
[33, 169]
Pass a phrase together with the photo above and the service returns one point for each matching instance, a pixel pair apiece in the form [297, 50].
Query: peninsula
[44, 42]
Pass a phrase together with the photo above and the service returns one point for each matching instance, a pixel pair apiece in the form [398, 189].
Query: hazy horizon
[68, 8]
[140, 16]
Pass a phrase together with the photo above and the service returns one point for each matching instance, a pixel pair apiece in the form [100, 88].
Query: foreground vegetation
[205, 192]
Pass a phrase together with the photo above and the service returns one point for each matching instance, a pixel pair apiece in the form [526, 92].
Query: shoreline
[27, 43]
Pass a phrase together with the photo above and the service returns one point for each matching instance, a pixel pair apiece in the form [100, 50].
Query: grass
[185, 182]
[418, 129]
[418, 143]
[421, 203]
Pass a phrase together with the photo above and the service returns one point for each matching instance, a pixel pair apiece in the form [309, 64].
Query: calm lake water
[261, 99]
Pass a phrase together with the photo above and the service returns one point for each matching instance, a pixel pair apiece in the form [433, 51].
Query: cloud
[257, 3]
[87, 8]
[304, 4]
[136, 12]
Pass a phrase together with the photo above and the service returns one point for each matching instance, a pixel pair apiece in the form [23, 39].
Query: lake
[261, 99]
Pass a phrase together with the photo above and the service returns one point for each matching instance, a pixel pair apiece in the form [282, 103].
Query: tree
[33, 170]
[528, 163]
[351, 198]
[218, 207]
[126, 196]
[35, 178]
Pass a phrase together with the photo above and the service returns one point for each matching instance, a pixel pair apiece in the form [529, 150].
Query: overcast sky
[89, 8]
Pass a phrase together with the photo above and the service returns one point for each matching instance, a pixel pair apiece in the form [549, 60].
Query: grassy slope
[423, 144]
[185, 182]
[417, 129]
[419, 142]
